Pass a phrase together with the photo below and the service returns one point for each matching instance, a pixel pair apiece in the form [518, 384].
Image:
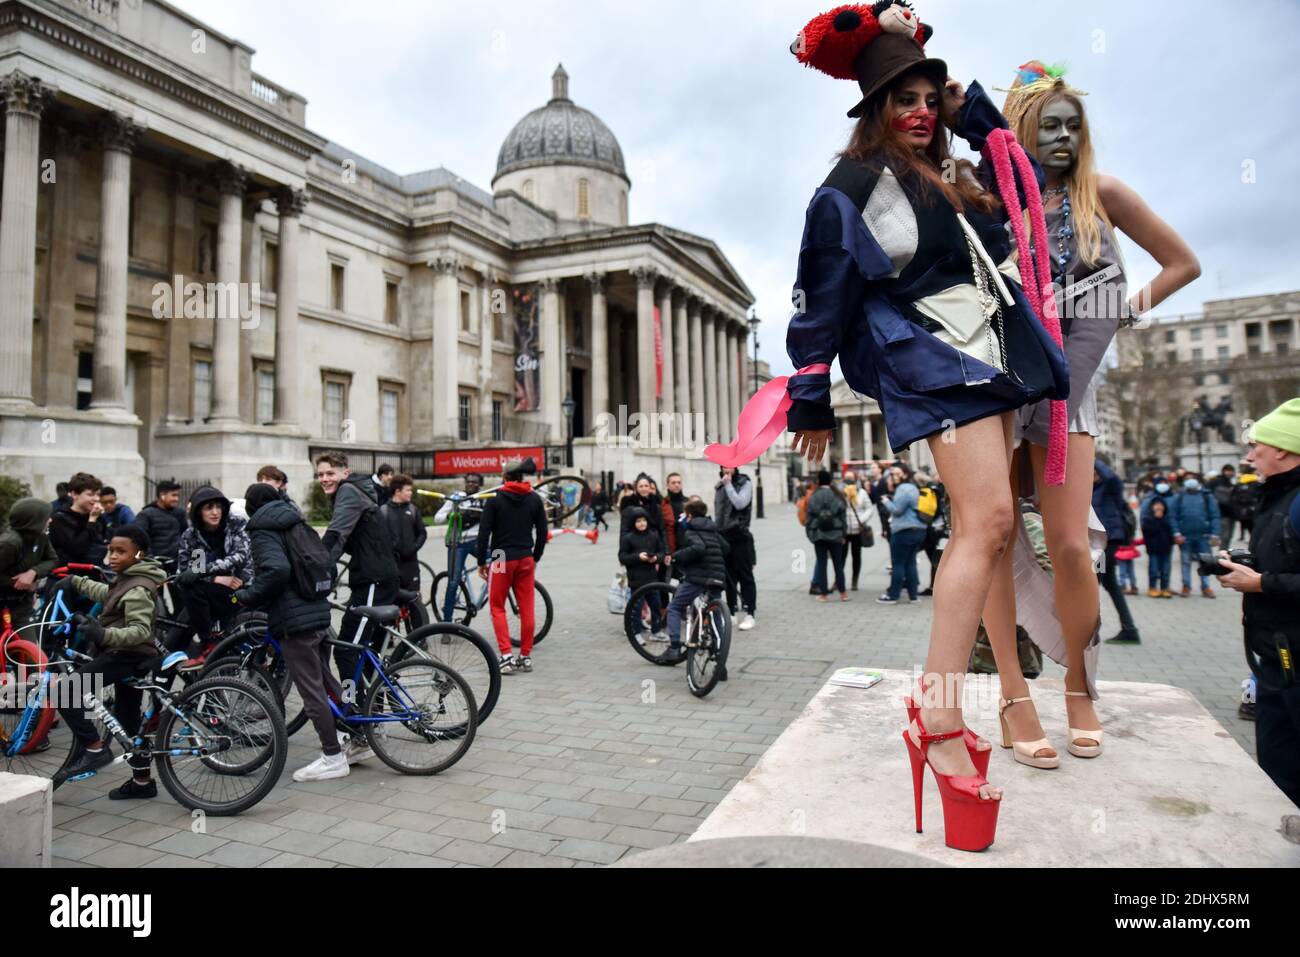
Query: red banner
[659, 356]
[486, 461]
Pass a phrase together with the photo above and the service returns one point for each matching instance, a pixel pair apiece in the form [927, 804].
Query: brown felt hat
[888, 57]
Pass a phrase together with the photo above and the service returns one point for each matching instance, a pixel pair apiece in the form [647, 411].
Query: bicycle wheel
[225, 725]
[427, 574]
[244, 669]
[467, 653]
[422, 716]
[249, 642]
[543, 613]
[24, 722]
[645, 615]
[461, 613]
[706, 652]
[562, 495]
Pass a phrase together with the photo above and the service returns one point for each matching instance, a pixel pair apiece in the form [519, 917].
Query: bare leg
[1065, 530]
[1000, 623]
[972, 465]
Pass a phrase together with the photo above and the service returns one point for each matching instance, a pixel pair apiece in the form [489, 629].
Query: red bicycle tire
[22, 653]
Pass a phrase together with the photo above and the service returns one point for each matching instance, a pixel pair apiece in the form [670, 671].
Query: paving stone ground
[598, 754]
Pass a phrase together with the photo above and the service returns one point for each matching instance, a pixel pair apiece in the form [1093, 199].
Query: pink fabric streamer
[760, 422]
[1001, 148]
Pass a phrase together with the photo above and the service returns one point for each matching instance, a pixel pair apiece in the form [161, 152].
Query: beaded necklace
[1065, 232]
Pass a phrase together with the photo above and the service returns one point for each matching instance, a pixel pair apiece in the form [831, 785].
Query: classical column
[290, 204]
[24, 98]
[487, 332]
[179, 328]
[868, 437]
[681, 353]
[645, 338]
[697, 405]
[552, 359]
[118, 136]
[446, 344]
[668, 402]
[725, 420]
[60, 362]
[599, 347]
[225, 325]
[846, 440]
[744, 380]
[708, 316]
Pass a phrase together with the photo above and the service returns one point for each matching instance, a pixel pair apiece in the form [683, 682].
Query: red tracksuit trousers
[516, 575]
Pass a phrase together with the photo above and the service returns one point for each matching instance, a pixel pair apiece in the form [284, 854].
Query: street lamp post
[568, 405]
[753, 329]
[1196, 424]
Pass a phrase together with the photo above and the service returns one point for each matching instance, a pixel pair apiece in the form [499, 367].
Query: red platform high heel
[969, 822]
[979, 758]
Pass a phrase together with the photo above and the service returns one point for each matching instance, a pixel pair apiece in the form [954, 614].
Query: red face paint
[918, 120]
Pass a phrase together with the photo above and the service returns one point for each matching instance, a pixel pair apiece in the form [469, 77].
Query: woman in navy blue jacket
[905, 274]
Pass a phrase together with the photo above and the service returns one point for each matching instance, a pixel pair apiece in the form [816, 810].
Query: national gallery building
[194, 284]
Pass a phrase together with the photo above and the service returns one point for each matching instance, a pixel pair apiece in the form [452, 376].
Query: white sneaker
[356, 750]
[746, 621]
[324, 768]
[660, 637]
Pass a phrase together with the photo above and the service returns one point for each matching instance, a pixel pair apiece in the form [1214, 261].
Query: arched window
[528, 191]
[584, 207]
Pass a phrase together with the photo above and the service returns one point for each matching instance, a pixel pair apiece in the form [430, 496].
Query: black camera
[1208, 563]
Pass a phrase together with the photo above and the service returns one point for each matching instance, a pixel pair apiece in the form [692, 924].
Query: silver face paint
[1059, 132]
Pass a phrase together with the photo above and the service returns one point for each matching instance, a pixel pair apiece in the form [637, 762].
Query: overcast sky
[725, 135]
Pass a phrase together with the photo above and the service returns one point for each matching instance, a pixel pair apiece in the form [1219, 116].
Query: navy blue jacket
[1158, 534]
[1195, 514]
[1108, 501]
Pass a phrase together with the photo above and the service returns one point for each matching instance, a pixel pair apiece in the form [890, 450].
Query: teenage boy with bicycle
[513, 531]
[469, 521]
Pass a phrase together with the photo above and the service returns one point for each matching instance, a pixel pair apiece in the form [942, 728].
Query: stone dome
[560, 133]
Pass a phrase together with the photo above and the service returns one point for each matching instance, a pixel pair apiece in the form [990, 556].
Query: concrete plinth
[229, 455]
[26, 820]
[774, 852]
[46, 446]
[1172, 788]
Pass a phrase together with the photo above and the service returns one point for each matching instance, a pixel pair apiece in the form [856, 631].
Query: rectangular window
[498, 407]
[265, 396]
[388, 415]
[85, 370]
[1171, 336]
[270, 267]
[334, 406]
[1198, 354]
[1195, 335]
[1221, 330]
[1223, 352]
[501, 327]
[466, 313]
[391, 310]
[463, 419]
[1225, 379]
[337, 289]
[201, 395]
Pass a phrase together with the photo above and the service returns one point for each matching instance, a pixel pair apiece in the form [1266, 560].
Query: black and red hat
[871, 43]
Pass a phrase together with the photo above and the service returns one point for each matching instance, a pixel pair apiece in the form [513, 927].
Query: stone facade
[196, 283]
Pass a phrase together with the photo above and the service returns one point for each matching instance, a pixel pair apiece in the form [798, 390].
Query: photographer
[1268, 576]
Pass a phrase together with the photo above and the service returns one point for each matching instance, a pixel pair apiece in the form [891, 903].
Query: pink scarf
[760, 422]
[1038, 283]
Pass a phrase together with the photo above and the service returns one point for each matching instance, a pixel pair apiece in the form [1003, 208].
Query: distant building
[1245, 351]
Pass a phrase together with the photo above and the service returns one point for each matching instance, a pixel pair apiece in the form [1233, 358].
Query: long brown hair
[875, 143]
[1025, 115]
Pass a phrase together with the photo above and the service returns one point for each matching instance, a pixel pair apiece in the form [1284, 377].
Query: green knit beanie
[1281, 427]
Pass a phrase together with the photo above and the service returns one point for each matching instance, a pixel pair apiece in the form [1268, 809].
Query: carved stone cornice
[549, 284]
[290, 202]
[694, 304]
[680, 295]
[21, 93]
[230, 179]
[118, 132]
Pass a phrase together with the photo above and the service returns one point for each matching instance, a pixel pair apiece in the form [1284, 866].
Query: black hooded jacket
[358, 529]
[1275, 547]
[76, 538]
[513, 524]
[702, 556]
[24, 546]
[286, 611]
[164, 527]
[632, 543]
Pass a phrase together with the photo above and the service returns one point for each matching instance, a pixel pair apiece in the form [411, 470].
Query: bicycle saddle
[406, 597]
[383, 614]
[714, 583]
[144, 669]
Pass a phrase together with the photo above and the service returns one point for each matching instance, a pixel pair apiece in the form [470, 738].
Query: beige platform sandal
[1084, 750]
[1026, 752]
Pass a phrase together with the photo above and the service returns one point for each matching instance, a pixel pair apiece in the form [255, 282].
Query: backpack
[311, 573]
[1245, 501]
[927, 505]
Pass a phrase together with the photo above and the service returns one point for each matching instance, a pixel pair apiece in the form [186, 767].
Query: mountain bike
[705, 635]
[220, 744]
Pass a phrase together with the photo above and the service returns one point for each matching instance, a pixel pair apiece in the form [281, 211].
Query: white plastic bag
[619, 593]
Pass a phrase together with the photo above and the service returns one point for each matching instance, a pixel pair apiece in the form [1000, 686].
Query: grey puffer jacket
[286, 611]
